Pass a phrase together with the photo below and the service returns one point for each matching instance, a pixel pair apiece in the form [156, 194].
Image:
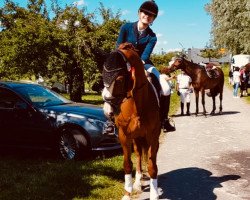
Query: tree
[32, 43]
[211, 53]
[25, 41]
[105, 37]
[231, 24]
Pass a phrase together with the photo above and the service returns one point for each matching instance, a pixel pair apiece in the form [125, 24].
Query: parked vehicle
[33, 116]
[239, 60]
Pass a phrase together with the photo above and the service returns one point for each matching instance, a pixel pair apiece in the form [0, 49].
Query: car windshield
[41, 96]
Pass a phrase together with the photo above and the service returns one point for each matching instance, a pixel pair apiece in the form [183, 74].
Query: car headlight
[108, 127]
[97, 123]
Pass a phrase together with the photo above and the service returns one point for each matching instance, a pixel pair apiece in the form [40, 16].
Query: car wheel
[72, 144]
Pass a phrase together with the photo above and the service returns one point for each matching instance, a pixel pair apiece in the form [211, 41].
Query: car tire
[73, 145]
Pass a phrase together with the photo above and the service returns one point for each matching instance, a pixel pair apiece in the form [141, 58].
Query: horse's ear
[127, 46]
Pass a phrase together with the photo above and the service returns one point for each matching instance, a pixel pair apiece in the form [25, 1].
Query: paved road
[207, 158]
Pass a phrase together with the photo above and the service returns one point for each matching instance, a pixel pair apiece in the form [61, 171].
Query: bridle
[115, 101]
[176, 67]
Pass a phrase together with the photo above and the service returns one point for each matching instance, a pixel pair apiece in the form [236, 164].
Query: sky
[180, 23]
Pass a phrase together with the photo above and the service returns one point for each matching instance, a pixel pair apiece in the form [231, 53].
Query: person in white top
[183, 88]
[236, 81]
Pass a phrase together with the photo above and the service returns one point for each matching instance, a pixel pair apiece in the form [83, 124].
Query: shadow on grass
[38, 175]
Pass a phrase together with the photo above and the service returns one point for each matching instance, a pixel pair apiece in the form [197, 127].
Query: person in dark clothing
[143, 38]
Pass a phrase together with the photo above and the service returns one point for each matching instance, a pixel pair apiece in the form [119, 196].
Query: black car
[33, 116]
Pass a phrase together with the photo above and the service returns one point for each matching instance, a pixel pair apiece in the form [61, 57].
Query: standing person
[236, 81]
[143, 38]
[165, 99]
[243, 81]
[230, 77]
[183, 89]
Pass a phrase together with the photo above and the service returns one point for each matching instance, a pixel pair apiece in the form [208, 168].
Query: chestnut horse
[201, 81]
[130, 97]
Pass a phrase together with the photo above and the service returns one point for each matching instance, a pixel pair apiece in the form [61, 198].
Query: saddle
[155, 84]
[212, 71]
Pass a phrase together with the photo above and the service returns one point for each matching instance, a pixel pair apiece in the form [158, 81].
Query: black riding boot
[167, 127]
[164, 109]
[188, 106]
[182, 108]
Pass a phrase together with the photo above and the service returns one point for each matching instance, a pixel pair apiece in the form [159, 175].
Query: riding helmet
[150, 7]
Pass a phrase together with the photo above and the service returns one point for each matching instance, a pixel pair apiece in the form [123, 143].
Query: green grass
[31, 176]
[52, 179]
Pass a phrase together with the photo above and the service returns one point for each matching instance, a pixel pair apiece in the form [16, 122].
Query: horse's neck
[140, 77]
[191, 69]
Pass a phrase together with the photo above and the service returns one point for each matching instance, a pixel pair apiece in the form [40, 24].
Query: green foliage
[231, 24]
[162, 60]
[211, 53]
[31, 43]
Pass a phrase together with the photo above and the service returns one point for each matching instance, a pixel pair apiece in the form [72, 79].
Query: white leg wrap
[128, 183]
[137, 183]
[154, 189]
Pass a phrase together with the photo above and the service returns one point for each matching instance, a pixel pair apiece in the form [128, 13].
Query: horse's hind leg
[221, 97]
[203, 102]
[214, 106]
[153, 170]
[197, 102]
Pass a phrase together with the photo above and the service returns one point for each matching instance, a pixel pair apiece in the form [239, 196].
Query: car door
[20, 123]
[9, 117]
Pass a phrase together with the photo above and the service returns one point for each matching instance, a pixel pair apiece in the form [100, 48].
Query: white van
[239, 60]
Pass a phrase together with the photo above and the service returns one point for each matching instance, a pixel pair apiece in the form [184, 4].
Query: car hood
[87, 110]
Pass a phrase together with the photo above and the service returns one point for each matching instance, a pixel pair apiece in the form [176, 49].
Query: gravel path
[206, 158]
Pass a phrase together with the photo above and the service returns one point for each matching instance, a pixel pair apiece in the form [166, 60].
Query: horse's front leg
[203, 102]
[153, 170]
[196, 102]
[138, 175]
[127, 164]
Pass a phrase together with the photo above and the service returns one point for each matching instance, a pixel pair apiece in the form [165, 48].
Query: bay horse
[201, 81]
[129, 96]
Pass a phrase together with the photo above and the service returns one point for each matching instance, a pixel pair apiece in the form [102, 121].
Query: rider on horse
[144, 39]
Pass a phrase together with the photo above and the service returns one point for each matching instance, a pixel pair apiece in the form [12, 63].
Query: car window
[8, 99]
[40, 96]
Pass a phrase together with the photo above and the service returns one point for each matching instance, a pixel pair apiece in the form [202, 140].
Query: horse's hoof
[212, 113]
[126, 197]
